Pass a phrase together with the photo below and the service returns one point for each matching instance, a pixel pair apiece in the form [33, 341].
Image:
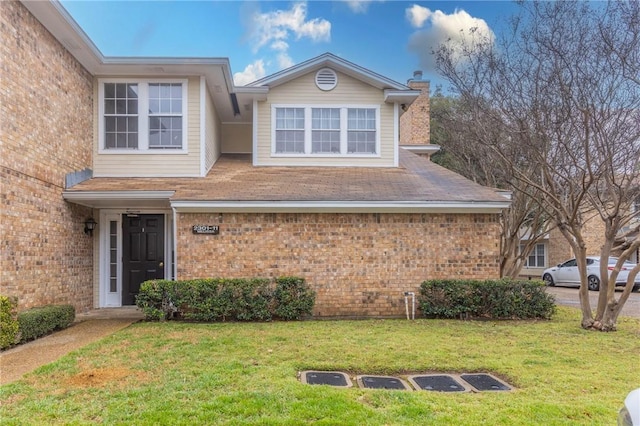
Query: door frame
[113, 299]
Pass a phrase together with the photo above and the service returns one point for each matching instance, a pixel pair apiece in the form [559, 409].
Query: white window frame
[546, 256]
[307, 131]
[143, 117]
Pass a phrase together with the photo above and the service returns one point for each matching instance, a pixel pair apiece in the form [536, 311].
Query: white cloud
[279, 25]
[251, 73]
[359, 6]
[417, 14]
[440, 28]
[274, 31]
[284, 60]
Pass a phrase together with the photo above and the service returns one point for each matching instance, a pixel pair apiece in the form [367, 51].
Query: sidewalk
[88, 328]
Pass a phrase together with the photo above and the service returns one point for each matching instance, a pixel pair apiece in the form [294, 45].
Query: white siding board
[236, 138]
[212, 132]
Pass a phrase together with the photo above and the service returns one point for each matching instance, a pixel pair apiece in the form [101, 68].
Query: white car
[629, 414]
[567, 273]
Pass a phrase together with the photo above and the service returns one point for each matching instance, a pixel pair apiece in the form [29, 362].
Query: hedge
[494, 299]
[220, 299]
[8, 322]
[37, 322]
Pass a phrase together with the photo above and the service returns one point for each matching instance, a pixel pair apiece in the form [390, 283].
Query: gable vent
[326, 79]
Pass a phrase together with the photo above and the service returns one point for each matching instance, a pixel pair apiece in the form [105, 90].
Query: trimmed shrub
[8, 322]
[495, 299]
[294, 299]
[219, 299]
[38, 322]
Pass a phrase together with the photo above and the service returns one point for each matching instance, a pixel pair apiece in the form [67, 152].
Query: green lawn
[238, 373]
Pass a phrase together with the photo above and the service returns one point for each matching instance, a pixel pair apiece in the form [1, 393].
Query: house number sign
[206, 229]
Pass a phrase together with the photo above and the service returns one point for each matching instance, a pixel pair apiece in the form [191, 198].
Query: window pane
[154, 91]
[132, 106]
[109, 90]
[121, 91]
[110, 140]
[109, 106]
[110, 124]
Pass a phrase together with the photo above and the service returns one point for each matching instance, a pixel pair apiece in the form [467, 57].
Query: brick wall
[415, 126]
[359, 264]
[46, 122]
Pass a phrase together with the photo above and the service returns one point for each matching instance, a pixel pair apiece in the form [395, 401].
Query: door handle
[161, 264]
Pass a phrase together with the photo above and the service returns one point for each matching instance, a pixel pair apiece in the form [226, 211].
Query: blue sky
[392, 38]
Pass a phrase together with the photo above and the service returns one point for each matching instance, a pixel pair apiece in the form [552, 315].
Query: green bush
[219, 299]
[294, 299]
[37, 322]
[8, 322]
[496, 299]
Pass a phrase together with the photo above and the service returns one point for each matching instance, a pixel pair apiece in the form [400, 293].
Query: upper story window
[142, 116]
[326, 130]
[362, 131]
[290, 130]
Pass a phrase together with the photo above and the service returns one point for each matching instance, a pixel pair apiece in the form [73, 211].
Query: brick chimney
[414, 122]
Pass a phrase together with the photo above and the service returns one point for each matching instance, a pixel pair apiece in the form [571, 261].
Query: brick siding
[359, 264]
[46, 120]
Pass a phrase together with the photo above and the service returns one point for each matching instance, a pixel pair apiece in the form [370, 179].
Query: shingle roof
[234, 178]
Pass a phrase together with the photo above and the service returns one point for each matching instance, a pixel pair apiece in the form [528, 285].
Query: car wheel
[593, 283]
[636, 289]
[548, 280]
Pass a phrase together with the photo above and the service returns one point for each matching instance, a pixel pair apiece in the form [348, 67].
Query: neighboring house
[187, 175]
[554, 248]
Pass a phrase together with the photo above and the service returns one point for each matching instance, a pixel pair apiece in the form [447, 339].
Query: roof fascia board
[67, 31]
[328, 59]
[337, 207]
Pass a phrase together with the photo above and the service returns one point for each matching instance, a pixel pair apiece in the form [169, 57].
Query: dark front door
[142, 252]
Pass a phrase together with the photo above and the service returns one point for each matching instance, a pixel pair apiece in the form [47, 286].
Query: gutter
[489, 207]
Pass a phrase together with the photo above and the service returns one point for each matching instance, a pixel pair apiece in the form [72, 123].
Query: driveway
[568, 296]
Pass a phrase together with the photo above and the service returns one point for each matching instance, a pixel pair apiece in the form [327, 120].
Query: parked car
[567, 273]
[629, 414]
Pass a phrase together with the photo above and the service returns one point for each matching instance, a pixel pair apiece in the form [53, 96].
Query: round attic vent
[326, 79]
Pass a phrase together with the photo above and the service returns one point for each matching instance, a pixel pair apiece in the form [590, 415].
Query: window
[362, 130]
[327, 130]
[536, 258]
[165, 115]
[141, 116]
[290, 130]
[121, 115]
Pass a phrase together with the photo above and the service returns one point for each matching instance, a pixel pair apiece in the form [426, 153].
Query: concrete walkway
[88, 328]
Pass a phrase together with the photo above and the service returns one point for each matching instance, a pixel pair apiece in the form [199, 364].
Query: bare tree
[562, 86]
[525, 224]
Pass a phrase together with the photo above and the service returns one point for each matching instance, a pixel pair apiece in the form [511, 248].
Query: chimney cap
[417, 75]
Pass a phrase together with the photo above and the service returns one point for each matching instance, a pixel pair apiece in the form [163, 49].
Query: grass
[240, 373]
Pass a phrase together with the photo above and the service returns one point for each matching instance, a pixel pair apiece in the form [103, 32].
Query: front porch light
[89, 226]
